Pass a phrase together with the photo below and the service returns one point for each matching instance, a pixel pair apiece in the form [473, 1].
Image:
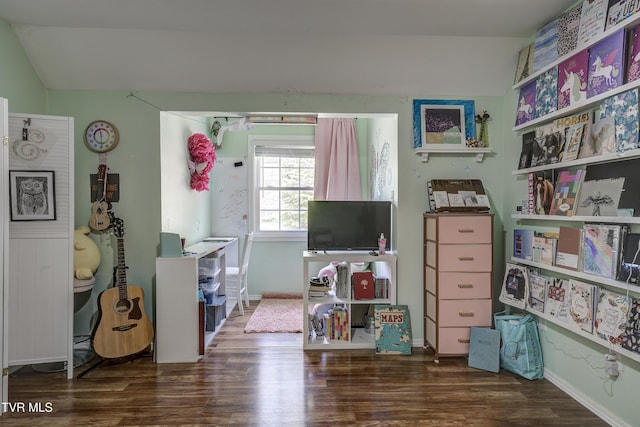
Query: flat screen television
[348, 225]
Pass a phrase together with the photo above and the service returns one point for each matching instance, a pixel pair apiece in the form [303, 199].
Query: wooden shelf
[602, 219]
[590, 102]
[591, 337]
[605, 158]
[477, 152]
[598, 280]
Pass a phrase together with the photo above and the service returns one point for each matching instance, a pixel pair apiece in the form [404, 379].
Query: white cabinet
[355, 332]
[180, 334]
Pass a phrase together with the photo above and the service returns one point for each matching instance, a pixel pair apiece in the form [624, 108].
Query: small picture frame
[32, 195]
[442, 123]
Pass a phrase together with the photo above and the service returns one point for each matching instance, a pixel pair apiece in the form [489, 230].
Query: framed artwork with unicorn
[572, 79]
[606, 64]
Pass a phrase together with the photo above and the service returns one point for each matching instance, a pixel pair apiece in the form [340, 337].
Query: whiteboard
[229, 197]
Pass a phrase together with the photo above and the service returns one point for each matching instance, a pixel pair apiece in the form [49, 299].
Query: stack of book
[319, 286]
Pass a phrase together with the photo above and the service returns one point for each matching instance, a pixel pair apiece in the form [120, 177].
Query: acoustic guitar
[123, 327]
[100, 219]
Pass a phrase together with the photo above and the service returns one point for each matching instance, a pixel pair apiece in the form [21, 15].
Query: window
[283, 177]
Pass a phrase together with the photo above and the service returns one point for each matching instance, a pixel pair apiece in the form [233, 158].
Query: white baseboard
[598, 410]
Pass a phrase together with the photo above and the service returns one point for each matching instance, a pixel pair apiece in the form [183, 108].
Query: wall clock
[101, 136]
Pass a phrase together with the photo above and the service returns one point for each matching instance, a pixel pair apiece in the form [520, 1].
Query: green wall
[19, 83]
[570, 360]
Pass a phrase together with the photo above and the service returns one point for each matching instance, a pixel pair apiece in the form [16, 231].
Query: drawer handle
[465, 285]
[465, 258]
[464, 341]
[466, 314]
[465, 230]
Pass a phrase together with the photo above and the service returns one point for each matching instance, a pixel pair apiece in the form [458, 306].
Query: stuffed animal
[86, 254]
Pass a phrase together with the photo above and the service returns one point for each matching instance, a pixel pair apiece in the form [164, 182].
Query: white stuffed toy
[86, 254]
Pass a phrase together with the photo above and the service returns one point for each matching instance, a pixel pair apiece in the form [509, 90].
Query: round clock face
[101, 136]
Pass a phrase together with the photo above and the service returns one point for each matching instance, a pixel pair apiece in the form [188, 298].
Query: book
[557, 304]
[568, 250]
[600, 249]
[601, 138]
[573, 141]
[629, 270]
[581, 305]
[633, 56]
[568, 26]
[547, 92]
[526, 110]
[460, 195]
[631, 334]
[524, 67]
[600, 197]
[620, 10]
[606, 64]
[550, 140]
[363, 285]
[610, 320]
[541, 185]
[484, 349]
[523, 244]
[545, 45]
[592, 20]
[630, 197]
[544, 248]
[566, 192]
[514, 286]
[393, 329]
[528, 139]
[538, 284]
[623, 107]
[572, 79]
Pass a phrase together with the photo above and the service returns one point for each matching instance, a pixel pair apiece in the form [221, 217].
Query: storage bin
[216, 311]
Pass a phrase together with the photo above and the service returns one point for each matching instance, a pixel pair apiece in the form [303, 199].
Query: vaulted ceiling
[283, 46]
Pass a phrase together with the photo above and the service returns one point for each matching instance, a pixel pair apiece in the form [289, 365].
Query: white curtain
[337, 175]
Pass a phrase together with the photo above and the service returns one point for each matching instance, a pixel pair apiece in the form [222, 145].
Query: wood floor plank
[267, 379]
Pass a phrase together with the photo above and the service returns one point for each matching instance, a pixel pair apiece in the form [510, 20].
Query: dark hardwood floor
[268, 380]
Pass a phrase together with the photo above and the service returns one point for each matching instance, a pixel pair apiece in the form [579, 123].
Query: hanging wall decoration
[203, 156]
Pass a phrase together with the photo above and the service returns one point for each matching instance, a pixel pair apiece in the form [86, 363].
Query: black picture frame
[32, 195]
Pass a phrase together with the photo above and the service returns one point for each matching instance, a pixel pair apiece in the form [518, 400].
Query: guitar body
[123, 327]
[99, 219]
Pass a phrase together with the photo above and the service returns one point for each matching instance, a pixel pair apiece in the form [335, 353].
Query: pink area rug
[276, 315]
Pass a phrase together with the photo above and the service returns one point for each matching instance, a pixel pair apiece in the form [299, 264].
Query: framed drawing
[32, 195]
[442, 123]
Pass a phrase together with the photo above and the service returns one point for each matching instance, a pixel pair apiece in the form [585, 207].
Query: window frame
[284, 141]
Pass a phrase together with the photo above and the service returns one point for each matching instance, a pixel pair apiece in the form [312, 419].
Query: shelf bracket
[424, 157]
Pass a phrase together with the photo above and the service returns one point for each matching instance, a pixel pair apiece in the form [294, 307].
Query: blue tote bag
[520, 350]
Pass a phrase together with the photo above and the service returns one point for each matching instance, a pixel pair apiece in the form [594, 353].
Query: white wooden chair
[239, 274]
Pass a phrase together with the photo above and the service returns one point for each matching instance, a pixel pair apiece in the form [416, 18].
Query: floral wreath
[203, 156]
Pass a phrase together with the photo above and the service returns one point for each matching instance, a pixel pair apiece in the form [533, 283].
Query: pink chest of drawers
[458, 277]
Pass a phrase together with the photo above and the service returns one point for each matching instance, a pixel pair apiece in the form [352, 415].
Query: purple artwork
[526, 103]
[572, 79]
[606, 64]
[633, 70]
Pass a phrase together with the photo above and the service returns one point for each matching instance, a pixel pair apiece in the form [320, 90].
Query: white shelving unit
[382, 265]
[178, 329]
[589, 103]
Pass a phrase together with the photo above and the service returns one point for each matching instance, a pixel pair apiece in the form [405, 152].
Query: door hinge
[5, 372]
[5, 140]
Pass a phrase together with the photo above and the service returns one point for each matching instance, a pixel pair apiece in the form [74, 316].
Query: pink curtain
[337, 174]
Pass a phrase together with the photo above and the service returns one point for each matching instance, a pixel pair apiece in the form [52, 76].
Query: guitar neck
[122, 270]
